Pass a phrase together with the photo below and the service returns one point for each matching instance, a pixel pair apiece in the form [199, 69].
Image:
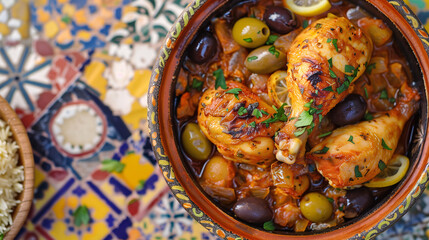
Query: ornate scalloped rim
[164, 161]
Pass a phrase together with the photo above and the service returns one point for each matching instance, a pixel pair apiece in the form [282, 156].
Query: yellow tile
[38, 177]
[4, 29]
[47, 194]
[98, 231]
[105, 13]
[59, 208]
[84, 35]
[134, 234]
[40, 3]
[42, 15]
[80, 17]
[72, 202]
[96, 22]
[134, 171]
[119, 25]
[20, 10]
[1, 7]
[64, 36]
[63, 1]
[69, 10]
[94, 78]
[136, 114]
[23, 30]
[58, 230]
[128, 9]
[51, 29]
[140, 83]
[98, 209]
[128, 40]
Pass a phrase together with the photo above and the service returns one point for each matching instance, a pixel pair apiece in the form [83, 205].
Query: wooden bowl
[413, 40]
[25, 152]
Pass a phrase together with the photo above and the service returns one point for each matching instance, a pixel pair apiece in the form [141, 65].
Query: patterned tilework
[65, 61]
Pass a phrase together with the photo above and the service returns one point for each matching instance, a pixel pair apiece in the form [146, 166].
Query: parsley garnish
[351, 139]
[392, 100]
[304, 119]
[252, 58]
[298, 132]
[197, 84]
[384, 145]
[242, 111]
[323, 151]
[308, 105]
[334, 42]
[369, 68]
[325, 134]
[331, 200]
[273, 51]
[318, 25]
[329, 40]
[329, 89]
[220, 79]
[234, 91]
[252, 124]
[110, 165]
[366, 93]
[269, 226]
[278, 116]
[263, 112]
[383, 94]
[343, 86]
[349, 68]
[330, 62]
[305, 24]
[333, 75]
[381, 165]
[257, 113]
[357, 172]
[368, 116]
[249, 40]
[271, 39]
[81, 216]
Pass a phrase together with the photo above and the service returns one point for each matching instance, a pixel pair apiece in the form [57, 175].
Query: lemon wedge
[307, 8]
[392, 174]
[277, 89]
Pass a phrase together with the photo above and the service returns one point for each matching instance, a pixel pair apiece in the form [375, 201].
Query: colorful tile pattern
[64, 61]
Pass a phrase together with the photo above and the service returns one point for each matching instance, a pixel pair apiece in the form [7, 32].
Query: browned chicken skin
[346, 163]
[229, 121]
[323, 61]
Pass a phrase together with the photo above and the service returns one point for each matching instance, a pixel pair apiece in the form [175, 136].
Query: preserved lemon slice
[307, 8]
[277, 89]
[392, 174]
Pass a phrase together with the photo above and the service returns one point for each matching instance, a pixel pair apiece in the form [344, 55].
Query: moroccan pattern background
[62, 61]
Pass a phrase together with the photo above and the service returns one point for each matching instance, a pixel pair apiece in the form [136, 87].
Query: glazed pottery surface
[414, 42]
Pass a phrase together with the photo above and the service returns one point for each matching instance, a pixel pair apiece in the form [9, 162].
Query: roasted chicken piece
[351, 155]
[323, 61]
[235, 124]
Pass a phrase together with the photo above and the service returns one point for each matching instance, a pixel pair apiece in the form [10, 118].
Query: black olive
[203, 48]
[351, 110]
[253, 210]
[380, 193]
[279, 19]
[358, 201]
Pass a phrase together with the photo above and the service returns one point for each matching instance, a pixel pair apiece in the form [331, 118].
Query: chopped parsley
[325, 134]
[308, 105]
[329, 89]
[269, 226]
[392, 100]
[366, 93]
[220, 79]
[323, 151]
[110, 165]
[263, 112]
[381, 165]
[257, 113]
[305, 24]
[331, 200]
[357, 172]
[196, 84]
[330, 62]
[351, 139]
[278, 116]
[252, 58]
[271, 39]
[242, 111]
[274, 51]
[334, 42]
[234, 91]
[318, 25]
[248, 40]
[329, 40]
[252, 124]
[304, 119]
[368, 116]
[343, 86]
[369, 68]
[383, 94]
[349, 68]
[384, 145]
[333, 75]
[298, 132]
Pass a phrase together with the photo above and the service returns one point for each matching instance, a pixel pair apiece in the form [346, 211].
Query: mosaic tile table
[64, 62]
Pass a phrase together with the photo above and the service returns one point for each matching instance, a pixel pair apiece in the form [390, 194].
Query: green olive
[196, 145]
[250, 32]
[316, 207]
[216, 169]
[265, 59]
